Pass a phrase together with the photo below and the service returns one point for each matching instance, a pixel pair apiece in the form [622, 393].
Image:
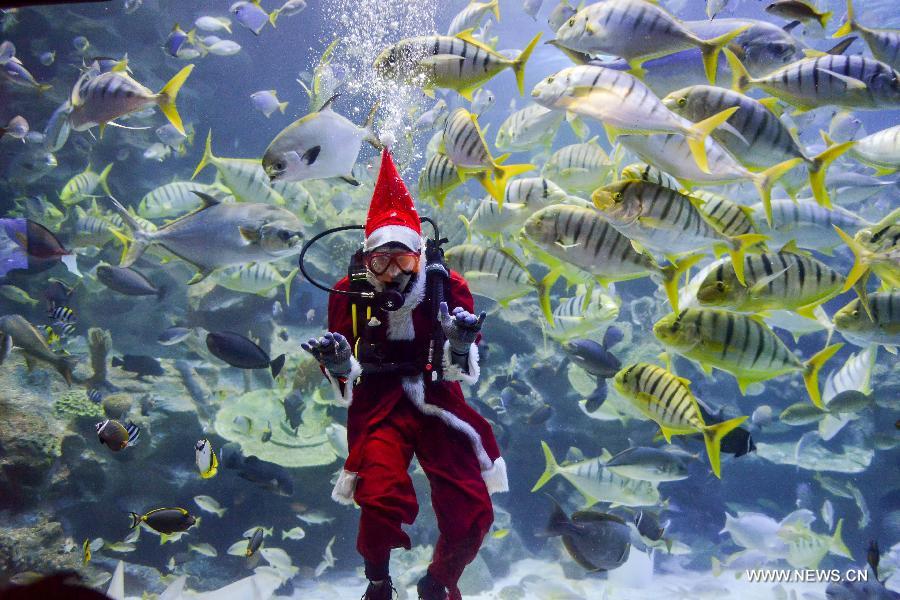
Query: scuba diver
[395, 353]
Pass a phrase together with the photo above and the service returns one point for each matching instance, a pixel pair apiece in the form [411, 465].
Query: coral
[40, 547]
[76, 404]
[310, 447]
[99, 346]
[116, 406]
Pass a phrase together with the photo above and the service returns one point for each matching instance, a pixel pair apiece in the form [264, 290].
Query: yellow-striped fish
[784, 280]
[728, 217]
[245, 177]
[84, 185]
[438, 178]
[884, 43]
[597, 483]
[172, 199]
[740, 344]
[494, 273]
[579, 167]
[465, 146]
[256, 278]
[668, 401]
[876, 248]
[882, 326]
[459, 62]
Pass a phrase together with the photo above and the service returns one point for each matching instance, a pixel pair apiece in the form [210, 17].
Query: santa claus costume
[393, 416]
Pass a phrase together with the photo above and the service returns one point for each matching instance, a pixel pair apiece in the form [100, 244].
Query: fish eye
[550, 79]
[682, 101]
[572, 22]
[284, 235]
[618, 196]
[675, 326]
[720, 285]
[280, 166]
[855, 313]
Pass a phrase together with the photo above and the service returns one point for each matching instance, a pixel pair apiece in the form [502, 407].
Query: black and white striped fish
[884, 43]
[438, 178]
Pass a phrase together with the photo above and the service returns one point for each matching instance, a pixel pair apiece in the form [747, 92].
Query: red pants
[386, 496]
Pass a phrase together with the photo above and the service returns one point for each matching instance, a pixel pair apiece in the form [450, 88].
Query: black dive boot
[430, 589]
[380, 590]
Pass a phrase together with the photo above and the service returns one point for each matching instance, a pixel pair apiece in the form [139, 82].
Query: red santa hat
[392, 215]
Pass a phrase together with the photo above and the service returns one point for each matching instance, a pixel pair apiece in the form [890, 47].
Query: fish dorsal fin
[466, 36]
[208, 200]
[791, 248]
[327, 104]
[605, 455]
[589, 516]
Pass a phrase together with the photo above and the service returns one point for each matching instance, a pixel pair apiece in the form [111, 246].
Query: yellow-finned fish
[668, 401]
[623, 104]
[256, 278]
[465, 146]
[786, 280]
[245, 177]
[579, 167]
[666, 221]
[806, 549]
[563, 235]
[438, 178]
[86, 552]
[83, 185]
[459, 62]
[207, 463]
[876, 248]
[492, 272]
[597, 483]
[742, 345]
[879, 325]
[728, 217]
[108, 96]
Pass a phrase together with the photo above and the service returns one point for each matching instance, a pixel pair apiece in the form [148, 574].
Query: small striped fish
[438, 178]
[647, 172]
[525, 129]
[489, 219]
[458, 62]
[256, 278]
[665, 221]
[470, 17]
[753, 134]
[597, 483]
[808, 224]
[579, 167]
[624, 105]
[245, 177]
[637, 30]
[465, 147]
[876, 247]
[884, 43]
[668, 401]
[806, 549]
[535, 192]
[854, 375]
[90, 230]
[491, 272]
[584, 314]
[113, 94]
[728, 217]
[671, 153]
[783, 280]
[880, 150]
[172, 199]
[561, 235]
[739, 344]
[829, 80]
[882, 327]
[84, 185]
[94, 395]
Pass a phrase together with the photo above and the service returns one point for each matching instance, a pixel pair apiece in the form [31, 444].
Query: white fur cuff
[452, 372]
[344, 487]
[345, 397]
[495, 477]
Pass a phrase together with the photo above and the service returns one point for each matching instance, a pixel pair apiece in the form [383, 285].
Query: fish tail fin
[837, 545]
[104, 174]
[811, 372]
[371, 137]
[550, 470]
[44, 87]
[276, 365]
[672, 273]
[287, 285]
[273, 16]
[711, 48]
[282, 106]
[544, 286]
[741, 244]
[502, 174]
[141, 241]
[712, 435]
[495, 8]
[740, 78]
[824, 17]
[207, 157]
[716, 566]
[849, 25]
[168, 94]
[490, 186]
[764, 181]
[860, 259]
[817, 169]
[135, 519]
[698, 132]
[518, 65]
